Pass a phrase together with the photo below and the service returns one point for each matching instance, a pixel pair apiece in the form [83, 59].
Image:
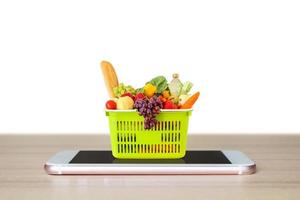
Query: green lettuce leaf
[160, 82]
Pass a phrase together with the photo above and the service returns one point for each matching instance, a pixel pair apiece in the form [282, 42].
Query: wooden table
[22, 175]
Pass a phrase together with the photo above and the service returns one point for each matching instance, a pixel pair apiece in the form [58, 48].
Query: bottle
[175, 87]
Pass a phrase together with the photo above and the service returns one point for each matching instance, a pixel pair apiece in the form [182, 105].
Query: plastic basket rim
[162, 110]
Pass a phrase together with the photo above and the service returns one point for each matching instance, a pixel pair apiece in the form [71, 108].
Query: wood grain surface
[22, 175]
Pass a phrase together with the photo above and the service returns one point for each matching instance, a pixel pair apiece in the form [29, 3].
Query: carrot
[190, 101]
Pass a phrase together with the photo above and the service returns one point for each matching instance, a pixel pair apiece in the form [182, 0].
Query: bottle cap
[175, 75]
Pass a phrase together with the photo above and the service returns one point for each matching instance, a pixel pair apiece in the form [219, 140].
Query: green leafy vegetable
[186, 88]
[160, 82]
[140, 90]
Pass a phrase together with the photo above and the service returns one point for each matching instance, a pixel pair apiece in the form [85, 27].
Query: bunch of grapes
[149, 108]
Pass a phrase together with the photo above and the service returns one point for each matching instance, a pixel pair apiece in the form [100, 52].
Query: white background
[244, 57]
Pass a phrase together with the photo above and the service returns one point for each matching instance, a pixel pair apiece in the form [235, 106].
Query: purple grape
[149, 109]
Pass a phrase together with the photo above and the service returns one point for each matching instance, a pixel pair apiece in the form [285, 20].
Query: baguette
[110, 77]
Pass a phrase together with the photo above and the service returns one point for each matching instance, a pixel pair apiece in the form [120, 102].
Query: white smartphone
[194, 162]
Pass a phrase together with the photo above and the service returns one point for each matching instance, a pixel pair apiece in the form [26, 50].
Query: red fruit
[110, 104]
[170, 105]
[139, 96]
[128, 94]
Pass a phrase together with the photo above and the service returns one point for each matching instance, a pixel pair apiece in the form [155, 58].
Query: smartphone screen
[191, 157]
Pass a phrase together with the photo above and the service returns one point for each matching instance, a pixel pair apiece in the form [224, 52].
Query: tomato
[110, 104]
[170, 105]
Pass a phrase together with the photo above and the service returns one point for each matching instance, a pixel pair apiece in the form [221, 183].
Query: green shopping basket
[167, 140]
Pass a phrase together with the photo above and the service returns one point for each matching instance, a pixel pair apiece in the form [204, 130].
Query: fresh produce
[129, 95]
[166, 94]
[139, 96]
[183, 98]
[121, 89]
[170, 105]
[149, 90]
[110, 104]
[187, 86]
[125, 103]
[190, 101]
[149, 108]
[163, 99]
[140, 90]
[160, 82]
[175, 86]
[154, 96]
